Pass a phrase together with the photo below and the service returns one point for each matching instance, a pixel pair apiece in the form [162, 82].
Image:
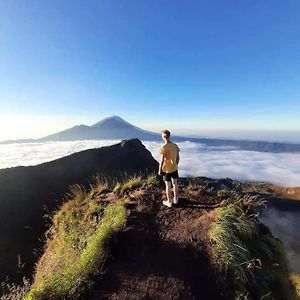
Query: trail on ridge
[162, 253]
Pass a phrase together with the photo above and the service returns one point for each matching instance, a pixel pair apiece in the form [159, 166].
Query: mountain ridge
[117, 128]
[25, 192]
[128, 245]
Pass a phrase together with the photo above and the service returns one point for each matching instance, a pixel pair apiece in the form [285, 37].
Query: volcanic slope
[121, 243]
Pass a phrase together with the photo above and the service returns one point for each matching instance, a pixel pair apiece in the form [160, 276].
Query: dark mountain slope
[26, 191]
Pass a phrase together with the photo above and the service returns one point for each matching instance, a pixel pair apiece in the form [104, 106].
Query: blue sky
[192, 66]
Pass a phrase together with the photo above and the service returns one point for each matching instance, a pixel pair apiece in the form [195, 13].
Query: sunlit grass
[135, 182]
[151, 180]
[77, 246]
[295, 278]
[247, 256]
[132, 183]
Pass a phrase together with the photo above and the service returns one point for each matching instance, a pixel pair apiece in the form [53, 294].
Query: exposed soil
[162, 253]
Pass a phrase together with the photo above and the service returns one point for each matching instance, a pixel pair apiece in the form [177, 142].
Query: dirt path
[161, 254]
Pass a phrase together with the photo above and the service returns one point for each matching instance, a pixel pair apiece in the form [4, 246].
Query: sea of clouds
[196, 159]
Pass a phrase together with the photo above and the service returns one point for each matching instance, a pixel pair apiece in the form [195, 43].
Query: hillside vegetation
[117, 241]
[42, 188]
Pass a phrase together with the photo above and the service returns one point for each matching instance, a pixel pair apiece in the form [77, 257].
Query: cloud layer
[196, 159]
[217, 162]
[285, 226]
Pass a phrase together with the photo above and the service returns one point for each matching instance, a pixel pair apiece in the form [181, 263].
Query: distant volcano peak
[113, 122]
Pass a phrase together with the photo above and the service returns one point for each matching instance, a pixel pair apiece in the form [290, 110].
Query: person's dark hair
[166, 133]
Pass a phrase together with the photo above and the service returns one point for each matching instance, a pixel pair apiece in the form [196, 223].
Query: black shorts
[168, 176]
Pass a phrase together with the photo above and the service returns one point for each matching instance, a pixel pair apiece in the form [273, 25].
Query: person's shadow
[187, 203]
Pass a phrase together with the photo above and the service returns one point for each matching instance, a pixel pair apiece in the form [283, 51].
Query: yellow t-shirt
[169, 151]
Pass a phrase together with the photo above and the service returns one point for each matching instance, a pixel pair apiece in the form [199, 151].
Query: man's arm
[160, 165]
[177, 158]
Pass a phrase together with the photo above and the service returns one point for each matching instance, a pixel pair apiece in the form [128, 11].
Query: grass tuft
[13, 291]
[132, 183]
[99, 185]
[151, 180]
[118, 187]
[246, 255]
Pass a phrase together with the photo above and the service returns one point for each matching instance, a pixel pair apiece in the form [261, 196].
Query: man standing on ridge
[168, 167]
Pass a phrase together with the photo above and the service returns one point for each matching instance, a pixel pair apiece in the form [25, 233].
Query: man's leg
[168, 191]
[175, 190]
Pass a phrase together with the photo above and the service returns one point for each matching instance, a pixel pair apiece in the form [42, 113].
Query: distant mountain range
[116, 128]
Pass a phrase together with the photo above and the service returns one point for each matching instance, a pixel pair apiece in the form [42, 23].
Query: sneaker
[175, 201]
[167, 203]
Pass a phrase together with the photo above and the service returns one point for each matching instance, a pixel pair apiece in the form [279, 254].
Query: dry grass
[15, 292]
[151, 180]
[132, 183]
[135, 182]
[295, 278]
[99, 185]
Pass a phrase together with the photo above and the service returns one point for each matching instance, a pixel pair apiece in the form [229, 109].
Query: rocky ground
[162, 253]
